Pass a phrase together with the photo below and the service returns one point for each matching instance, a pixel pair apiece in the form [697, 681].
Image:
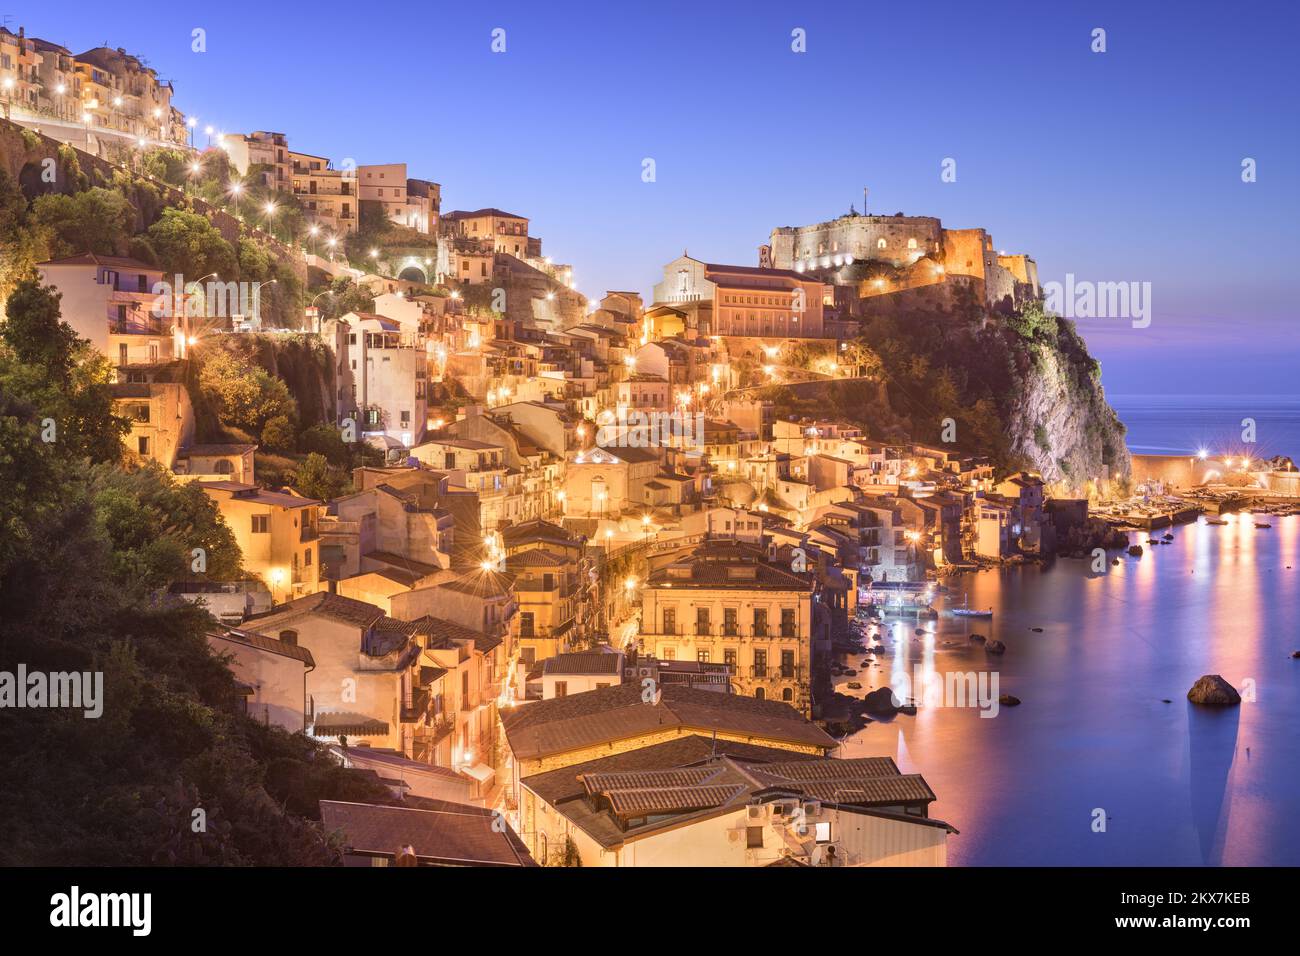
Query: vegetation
[170, 773]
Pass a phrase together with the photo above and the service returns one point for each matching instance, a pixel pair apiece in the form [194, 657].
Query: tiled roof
[616, 713]
[264, 643]
[635, 803]
[334, 606]
[93, 259]
[452, 833]
[593, 662]
[555, 785]
[535, 558]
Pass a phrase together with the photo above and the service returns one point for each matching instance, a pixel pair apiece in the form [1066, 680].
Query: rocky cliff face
[1060, 424]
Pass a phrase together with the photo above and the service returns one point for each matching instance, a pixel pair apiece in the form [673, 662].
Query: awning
[480, 772]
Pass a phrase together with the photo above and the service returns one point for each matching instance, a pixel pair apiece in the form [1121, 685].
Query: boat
[1262, 524]
[966, 611]
[1215, 521]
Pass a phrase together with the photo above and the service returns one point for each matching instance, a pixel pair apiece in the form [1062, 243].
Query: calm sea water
[1179, 785]
[1182, 424]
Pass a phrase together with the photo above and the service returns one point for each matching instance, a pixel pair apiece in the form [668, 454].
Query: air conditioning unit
[812, 808]
[784, 809]
[735, 836]
[756, 812]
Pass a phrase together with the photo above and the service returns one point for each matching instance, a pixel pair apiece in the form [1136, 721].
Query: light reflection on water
[1180, 785]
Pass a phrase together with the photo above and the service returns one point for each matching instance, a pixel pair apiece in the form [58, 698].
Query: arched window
[911, 243]
[787, 695]
[289, 637]
[760, 693]
[881, 244]
[224, 467]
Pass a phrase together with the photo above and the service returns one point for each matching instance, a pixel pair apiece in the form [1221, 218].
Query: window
[143, 444]
[729, 621]
[760, 694]
[823, 832]
[670, 620]
[261, 524]
[701, 620]
[760, 663]
[306, 558]
[729, 658]
[561, 688]
[526, 624]
[880, 243]
[702, 656]
[787, 622]
[754, 838]
[289, 637]
[787, 695]
[787, 664]
[760, 622]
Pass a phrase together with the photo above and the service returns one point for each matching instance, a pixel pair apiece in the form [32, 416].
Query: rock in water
[1213, 689]
[1009, 700]
[995, 647]
[977, 637]
[880, 701]
[1135, 550]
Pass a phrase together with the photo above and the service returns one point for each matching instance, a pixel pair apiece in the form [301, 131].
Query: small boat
[1215, 521]
[970, 612]
[1262, 524]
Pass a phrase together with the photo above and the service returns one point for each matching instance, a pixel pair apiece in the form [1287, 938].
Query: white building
[382, 378]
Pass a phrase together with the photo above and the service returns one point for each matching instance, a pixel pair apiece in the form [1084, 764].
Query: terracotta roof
[263, 643]
[334, 606]
[591, 662]
[615, 713]
[555, 785]
[450, 834]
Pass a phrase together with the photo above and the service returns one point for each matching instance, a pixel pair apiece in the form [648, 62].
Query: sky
[1122, 166]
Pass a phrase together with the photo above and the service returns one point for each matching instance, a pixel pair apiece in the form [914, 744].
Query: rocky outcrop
[880, 701]
[1215, 691]
[1060, 424]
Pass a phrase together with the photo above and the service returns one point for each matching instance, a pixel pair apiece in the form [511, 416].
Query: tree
[35, 332]
[244, 396]
[188, 245]
[278, 434]
[315, 479]
[96, 220]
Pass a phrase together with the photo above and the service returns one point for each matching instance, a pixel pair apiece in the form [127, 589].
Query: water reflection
[1094, 730]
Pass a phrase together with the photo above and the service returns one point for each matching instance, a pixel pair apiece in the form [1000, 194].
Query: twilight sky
[1119, 166]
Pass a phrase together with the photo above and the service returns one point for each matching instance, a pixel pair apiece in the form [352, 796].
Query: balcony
[730, 630]
[759, 673]
[702, 630]
[789, 630]
[760, 630]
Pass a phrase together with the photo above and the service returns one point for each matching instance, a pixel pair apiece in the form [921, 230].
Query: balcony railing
[702, 630]
[788, 630]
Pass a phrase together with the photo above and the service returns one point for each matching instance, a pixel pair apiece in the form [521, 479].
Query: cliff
[1019, 387]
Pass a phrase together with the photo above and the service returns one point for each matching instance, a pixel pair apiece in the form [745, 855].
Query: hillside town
[593, 570]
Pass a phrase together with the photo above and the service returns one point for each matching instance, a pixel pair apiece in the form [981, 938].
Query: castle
[907, 252]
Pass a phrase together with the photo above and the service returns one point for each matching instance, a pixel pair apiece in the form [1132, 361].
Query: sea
[1105, 762]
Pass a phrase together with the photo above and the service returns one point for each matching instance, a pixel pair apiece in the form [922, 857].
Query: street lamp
[235, 190]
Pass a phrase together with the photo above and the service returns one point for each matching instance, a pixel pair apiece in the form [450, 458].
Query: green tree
[314, 478]
[35, 332]
[96, 220]
[187, 244]
[278, 434]
[245, 396]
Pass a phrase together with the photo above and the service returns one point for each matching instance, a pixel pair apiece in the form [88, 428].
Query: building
[271, 674]
[121, 307]
[382, 377]
[549, 734]
[750, 302]
[436, 833]
[506, 232]
[413, 203]
[700, 802]
[726, 603]
[264, 155]
[368, 685]
[276, 532]
[328, 196]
